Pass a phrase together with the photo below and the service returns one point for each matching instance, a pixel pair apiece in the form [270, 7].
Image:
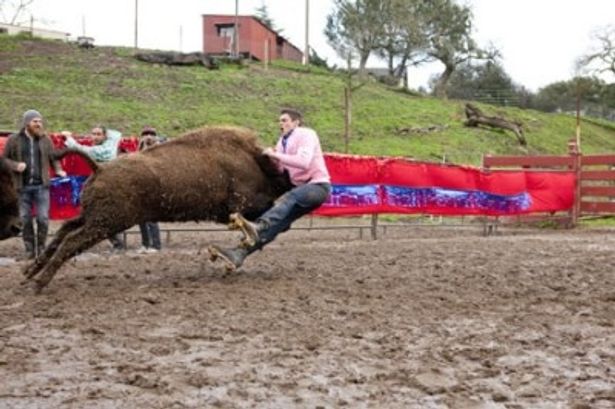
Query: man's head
[148, 137]
[99, 134]
[148, 130]
[289, 120]
[33, 123]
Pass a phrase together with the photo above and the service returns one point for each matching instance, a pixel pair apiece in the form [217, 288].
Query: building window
[225, 30]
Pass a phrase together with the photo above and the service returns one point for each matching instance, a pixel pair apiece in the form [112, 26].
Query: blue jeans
[37, 195]
[289, 207]
[150, 235]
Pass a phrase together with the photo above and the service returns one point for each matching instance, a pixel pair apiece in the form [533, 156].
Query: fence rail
[543, 161]
[594, 177]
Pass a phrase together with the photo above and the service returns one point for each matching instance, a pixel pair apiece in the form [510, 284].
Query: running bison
[10, 223]
[205, 174]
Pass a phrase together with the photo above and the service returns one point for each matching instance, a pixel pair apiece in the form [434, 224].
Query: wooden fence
[594, 177]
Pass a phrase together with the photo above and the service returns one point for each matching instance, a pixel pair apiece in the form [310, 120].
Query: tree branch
[476, 117]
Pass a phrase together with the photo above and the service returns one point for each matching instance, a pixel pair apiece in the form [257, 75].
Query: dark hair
[293, 114]
[148, 130]
[102, 128]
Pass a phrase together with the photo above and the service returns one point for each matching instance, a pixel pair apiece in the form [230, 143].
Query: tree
[597, 98]
[262, 13]
[602, 58]
[402, 42]
[448, 28]
[355, 28]
[14, 11]
[317, 60]
[487, 82]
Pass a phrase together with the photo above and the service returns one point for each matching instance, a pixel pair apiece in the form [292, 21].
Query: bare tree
[355, 27]
[602, 58]
[403, 42]
[15, 11]
[448, 28]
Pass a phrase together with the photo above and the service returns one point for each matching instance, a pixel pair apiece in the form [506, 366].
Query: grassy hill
[76, 88]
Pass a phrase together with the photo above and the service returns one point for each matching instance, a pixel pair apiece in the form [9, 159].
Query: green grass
[77, 88]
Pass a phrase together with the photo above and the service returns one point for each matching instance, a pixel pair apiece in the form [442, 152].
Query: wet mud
[420, 318]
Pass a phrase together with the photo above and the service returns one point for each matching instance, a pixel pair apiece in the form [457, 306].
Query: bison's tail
[60, 153]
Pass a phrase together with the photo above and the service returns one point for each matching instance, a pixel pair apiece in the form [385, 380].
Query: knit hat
[29, 115]
[148, 130]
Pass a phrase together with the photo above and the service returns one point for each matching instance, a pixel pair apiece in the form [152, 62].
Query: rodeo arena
[415, 285]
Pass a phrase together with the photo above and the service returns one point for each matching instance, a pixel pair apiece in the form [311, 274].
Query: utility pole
[578, 128]
[181, 38]
[236, 31]
[136, 23]
[306, 57]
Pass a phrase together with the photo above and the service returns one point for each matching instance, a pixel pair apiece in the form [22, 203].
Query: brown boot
[250, 230]
[233, 257]
[41, 238]
[28, 240]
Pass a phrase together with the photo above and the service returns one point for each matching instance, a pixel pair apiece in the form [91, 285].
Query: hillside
[76, 88]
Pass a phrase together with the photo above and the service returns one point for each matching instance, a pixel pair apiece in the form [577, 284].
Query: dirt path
[421, 318]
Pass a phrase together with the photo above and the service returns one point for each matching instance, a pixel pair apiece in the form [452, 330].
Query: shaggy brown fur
[10, 223]
[205, 174]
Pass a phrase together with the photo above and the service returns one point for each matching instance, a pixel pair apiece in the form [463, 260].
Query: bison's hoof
[35, 285]
[25, 281]
[38, 286]
[29, 271]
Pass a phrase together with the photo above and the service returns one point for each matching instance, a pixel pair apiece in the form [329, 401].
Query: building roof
[261, 23]
[35, 29]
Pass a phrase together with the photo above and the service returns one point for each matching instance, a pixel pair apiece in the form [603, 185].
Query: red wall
[252, 39]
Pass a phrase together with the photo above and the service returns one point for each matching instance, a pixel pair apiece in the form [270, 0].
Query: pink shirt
[302, 157]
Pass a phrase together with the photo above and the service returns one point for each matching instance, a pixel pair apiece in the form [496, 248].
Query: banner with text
[369, 185]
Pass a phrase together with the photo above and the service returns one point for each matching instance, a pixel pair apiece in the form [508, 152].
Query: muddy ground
[421, 318]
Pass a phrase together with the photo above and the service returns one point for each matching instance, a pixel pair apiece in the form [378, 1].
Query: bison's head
[10, 223]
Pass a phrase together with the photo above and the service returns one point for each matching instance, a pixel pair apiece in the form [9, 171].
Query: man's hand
[269, 151]
[70, 142]
[21, 166]
[61, 173]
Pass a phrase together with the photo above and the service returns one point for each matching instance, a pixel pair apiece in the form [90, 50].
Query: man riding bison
[219, 174]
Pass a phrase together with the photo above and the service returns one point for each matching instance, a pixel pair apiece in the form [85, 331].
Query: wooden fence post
[573, 150]
[374, 228]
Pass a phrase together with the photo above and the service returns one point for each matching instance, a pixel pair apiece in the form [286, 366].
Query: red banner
[368, 185]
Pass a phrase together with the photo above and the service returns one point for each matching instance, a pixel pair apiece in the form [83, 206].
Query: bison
[205, 174]
[10, 222]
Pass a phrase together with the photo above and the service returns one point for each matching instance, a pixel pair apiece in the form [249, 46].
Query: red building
[256, 40]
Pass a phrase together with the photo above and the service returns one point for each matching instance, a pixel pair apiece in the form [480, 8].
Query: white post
[236, 31]
[306, 57]
[181, 38]
[136, 23]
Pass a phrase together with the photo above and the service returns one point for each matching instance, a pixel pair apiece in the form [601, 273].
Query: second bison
[205, 174]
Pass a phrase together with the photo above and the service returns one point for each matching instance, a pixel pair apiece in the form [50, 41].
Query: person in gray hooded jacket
[30, 153]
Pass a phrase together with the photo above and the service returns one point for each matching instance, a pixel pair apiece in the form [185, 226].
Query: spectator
[105, 149]
[297, 152]
[29, 153]
[150, 231]
[106, 143]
